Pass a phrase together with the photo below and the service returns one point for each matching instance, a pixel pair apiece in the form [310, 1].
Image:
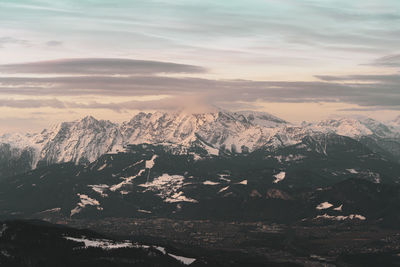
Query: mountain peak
[89, 119]
[353, 127]
[397, 120]
[261, 118]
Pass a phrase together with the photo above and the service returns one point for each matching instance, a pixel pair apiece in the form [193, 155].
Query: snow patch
[353, 171]
[184, 260]
[324, 206]
[244, 182]
[100, 243]
[289, 158]
[43, 175]
[51, 210]
[144, 211]
[150, 163]
[161, 249]
[279, 177]
[85, 201]
[223, 177]
[3, 229]
[196, 157]
[179, 197]
[341, 218]
[168, 188]
[210, 183]
[126, 181]
[339, 208]
[223, 189]
[100, 188]
[102, 167]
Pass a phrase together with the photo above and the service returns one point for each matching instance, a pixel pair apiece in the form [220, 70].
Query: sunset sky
[297, 59]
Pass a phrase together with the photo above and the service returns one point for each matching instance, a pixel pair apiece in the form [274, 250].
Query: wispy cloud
[54, 43]
[132, 78]
[99, 66]
[327, 33]
[381, 79]
[31, 103]
[5, 40]
[388, 61]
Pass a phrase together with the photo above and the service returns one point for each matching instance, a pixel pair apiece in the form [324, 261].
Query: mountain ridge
[85, 140]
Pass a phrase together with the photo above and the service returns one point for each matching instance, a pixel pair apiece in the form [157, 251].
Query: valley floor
[256, 243]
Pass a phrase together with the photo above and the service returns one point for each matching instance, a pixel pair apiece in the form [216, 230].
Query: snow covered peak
[91, 122]
[88, 120]
[351, 127]
[87, 139]
[396, 121]
[231, 130]
[395, 126]
[254, 118]
[343, 126]
[18, 140]
[261, 118]
[84, 123]
[84, 139]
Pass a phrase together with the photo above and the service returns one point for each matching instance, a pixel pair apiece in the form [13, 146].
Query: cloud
[385, 79]
[101, 80]
[193, 103]
[54, 43]
[10, 40]
[242, 38]
[374, 91]
[31, 103]
[388, 61]
[375, 108]
[99, 66]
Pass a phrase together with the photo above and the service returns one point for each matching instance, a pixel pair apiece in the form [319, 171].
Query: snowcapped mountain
[395, 124]
[352, 127]
[168, 168]
[87, 139]
[83, 140]
[397, 120]
[229, 130]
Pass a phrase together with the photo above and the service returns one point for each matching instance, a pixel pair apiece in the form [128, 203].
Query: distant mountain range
[216, 133]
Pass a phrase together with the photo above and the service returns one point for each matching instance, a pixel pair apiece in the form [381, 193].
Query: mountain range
[85, 140]
[245, 182]
[178, 164]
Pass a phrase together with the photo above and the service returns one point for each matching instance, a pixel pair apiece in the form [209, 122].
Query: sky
[297, 59]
